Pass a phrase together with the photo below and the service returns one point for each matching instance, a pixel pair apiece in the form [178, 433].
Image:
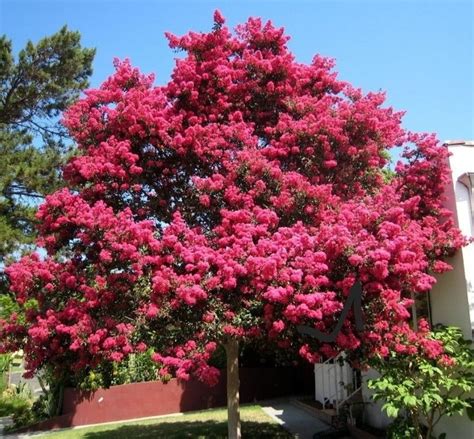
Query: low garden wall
[154, 398]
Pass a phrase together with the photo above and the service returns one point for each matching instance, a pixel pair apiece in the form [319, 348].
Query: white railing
[335, 382]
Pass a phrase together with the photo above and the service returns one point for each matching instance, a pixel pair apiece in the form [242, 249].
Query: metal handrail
[338, 398]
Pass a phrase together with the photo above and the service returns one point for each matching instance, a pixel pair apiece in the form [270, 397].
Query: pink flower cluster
[241, 199]
[405, 341]
[188, 358]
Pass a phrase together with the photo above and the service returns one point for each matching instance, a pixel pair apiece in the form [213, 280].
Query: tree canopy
[43, 80]
[241, 199]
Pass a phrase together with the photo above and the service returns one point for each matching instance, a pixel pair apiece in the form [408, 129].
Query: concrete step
[326, 415]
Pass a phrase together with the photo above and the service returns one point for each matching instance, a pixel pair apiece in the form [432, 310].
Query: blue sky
[419, 52]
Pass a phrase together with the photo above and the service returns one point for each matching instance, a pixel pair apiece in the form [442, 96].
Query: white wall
[449, 298]
[461, 162]
[452, 298]
[373, 410]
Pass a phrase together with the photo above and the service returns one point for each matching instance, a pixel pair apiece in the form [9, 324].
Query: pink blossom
[243, 197]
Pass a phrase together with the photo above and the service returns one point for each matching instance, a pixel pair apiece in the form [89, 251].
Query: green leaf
[410, 401]
[391, 411]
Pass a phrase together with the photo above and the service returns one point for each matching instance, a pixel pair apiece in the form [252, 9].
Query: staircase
[336, 383]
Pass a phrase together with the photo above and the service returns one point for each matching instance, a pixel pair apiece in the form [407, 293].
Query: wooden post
[233, 411]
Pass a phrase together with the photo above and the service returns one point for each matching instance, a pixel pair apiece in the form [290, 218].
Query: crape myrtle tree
[243, 198]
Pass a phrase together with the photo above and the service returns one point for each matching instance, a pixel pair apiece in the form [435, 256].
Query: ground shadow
[191, 429]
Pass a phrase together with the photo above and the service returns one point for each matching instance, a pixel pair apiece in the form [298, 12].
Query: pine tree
[43, 80]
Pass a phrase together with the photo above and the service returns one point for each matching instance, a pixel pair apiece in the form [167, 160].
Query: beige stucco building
[451, 302]
[452, 298]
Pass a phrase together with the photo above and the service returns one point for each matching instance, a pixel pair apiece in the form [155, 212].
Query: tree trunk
[233, 413]
[59, 405]
[430, 419]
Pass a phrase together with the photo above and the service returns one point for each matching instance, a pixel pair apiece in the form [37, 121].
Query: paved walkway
[299, 422]
[16, 378]
[3, 423]
[7, 421]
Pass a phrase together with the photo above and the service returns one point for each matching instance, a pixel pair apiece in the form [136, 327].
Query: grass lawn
[205, 424]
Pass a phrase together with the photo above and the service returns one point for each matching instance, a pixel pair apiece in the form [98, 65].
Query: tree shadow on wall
[190, 429]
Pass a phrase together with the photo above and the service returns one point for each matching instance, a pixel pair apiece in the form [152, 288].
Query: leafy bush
[419, 389]
[5, 361]
[15, 400]
[136, 368]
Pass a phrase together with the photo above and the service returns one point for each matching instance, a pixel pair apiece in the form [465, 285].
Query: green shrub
[5, 361]
[136, 368]
[418, 391]
[15, 399]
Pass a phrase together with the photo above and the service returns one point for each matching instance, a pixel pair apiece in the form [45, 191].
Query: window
[467, 180]
[421, 309]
